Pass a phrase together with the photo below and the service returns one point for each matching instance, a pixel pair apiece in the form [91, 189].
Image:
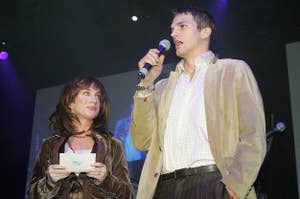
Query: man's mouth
[178, 43]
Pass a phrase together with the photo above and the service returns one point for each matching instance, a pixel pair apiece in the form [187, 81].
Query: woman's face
[86, 105]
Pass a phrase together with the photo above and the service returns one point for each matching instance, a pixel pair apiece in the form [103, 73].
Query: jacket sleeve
[41, 185]
[144, 117]
[117, 183]
[251, 148]
[143, 122]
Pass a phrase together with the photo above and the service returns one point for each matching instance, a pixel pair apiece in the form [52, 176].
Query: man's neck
[189, 62]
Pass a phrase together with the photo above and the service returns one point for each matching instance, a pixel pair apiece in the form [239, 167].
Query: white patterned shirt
[185, 140]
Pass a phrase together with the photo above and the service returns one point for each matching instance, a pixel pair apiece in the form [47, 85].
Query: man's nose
[174, 32]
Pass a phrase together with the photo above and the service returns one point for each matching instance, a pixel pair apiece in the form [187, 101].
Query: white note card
[75, 162]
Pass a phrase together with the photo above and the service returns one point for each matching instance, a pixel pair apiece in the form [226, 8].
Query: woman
[79, 122]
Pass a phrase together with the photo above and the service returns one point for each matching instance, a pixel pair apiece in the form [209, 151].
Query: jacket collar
[202, 61]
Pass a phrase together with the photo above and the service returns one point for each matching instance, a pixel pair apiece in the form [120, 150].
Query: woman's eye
[86, 93]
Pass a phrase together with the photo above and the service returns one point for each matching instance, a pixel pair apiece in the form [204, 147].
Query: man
[204, 126]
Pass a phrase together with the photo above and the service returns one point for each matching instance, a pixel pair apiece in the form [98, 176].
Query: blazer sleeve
[251, 148]
[144, 117]
[143, 122]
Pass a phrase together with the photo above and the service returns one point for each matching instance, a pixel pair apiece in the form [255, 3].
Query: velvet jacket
[108, 151]
[235, 123]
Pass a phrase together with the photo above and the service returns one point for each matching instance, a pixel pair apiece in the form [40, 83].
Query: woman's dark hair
[61, 121]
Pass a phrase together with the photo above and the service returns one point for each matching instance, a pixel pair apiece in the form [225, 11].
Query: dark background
[50, 42]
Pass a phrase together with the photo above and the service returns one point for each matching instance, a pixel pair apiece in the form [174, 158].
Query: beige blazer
[235, 122]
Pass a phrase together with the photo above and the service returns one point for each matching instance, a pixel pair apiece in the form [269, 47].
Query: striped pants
[206, 185]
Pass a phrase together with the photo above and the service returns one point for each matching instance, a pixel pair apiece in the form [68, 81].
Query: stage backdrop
[120, 88]
[293, 60]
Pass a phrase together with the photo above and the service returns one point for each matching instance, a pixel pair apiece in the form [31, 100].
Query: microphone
[164, 45]
[280, 127]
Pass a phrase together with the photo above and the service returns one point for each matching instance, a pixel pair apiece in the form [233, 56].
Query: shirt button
[159, 148]
[155, 175]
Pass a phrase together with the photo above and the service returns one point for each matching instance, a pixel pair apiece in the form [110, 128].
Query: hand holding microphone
[150, 66]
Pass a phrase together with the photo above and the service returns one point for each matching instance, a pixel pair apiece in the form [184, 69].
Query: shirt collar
[201, 62]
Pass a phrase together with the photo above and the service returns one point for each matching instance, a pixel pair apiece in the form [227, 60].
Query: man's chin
[179, 53]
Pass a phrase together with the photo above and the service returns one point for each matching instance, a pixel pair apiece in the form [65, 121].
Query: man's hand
[153, 59]
[231, 194]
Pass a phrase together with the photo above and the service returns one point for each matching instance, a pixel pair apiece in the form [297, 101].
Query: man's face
[185, 34]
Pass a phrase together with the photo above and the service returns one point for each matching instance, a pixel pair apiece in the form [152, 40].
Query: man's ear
[205, 33]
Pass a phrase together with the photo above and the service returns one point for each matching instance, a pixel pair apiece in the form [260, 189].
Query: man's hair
[62, 120]
[202, 17]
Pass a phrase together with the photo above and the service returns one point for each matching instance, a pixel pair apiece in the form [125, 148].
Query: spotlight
[134, 18]
[3, 51]
[3, 55]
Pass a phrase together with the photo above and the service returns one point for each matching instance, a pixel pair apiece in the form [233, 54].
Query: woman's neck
[83, 127]
[82, 143]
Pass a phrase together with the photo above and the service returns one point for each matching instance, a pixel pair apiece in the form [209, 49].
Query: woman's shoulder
[115, 141]
[109, 140]
[52, 139]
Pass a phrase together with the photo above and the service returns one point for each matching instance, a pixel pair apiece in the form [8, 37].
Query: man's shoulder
[229, 63]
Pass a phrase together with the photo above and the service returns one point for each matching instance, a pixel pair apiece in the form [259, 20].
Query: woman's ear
[71, 106]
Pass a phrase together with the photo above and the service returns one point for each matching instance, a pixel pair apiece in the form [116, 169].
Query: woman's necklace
[81, 134]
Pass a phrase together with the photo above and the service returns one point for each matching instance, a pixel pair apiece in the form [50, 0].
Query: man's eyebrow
[177, 23]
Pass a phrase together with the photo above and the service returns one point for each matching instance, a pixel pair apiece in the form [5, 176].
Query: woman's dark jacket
[109, 151]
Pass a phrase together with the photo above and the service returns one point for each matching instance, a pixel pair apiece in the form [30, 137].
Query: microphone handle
[271, 132]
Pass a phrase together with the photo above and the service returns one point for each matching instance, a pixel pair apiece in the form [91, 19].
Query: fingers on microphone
[151, 58]
[161, 59]
[153, 54]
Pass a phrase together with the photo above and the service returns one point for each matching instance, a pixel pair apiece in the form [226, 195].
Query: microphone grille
[165, 43]
[280, 126]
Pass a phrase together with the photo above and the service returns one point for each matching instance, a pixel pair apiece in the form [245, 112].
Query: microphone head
[280, 126]
[165, 44]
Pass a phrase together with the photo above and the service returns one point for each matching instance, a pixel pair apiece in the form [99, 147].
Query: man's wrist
[144, 87]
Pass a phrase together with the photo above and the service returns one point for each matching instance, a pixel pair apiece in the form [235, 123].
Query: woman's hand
[97, 170]
[57, 172]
